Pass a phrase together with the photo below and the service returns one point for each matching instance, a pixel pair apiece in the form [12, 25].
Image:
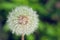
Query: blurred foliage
[7, 6]
[5, 28]
[45, 38]
[31, 37]
[20, 2]
[49, 16]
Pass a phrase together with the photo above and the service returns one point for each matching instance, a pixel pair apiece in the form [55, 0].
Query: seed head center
[23, 20]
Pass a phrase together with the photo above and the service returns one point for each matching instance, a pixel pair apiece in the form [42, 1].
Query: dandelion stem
[22, 37]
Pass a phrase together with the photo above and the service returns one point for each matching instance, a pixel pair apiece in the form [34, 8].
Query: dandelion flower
[22, 20]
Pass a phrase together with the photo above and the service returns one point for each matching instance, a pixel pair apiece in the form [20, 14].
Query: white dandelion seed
[22, 20]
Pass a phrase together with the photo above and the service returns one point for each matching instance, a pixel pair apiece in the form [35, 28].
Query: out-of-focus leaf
[44, 38]
[39, 8]
[33, 1]
[41, 26]
[31, 37]
[51, 30]
[5, 28]
[15, 37]
[20, 2]
[7, 6]
[50, 3]
[58, 29]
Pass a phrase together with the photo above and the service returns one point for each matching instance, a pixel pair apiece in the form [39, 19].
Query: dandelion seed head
[22, 20]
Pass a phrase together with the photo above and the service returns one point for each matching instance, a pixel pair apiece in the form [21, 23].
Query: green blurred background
[49, 16]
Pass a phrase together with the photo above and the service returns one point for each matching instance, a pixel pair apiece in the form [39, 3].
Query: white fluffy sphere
[22, 20]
